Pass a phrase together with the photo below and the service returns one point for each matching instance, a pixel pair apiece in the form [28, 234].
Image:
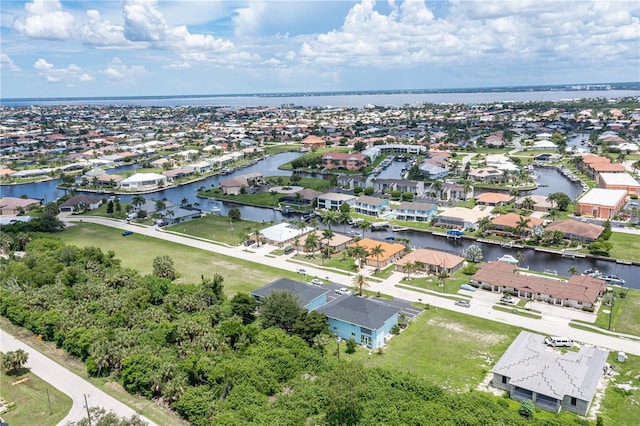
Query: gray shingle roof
[305, 292]
[356, 310]
[531, 365]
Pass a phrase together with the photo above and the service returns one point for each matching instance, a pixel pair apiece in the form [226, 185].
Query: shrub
[526, 408]
[395, 329]
[351, 346]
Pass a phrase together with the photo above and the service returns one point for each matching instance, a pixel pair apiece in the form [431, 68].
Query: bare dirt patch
[483, 336]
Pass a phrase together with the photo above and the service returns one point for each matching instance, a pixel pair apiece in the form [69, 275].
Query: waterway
[537, 261]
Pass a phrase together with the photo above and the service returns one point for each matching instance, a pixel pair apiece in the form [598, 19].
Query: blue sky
[53, 48]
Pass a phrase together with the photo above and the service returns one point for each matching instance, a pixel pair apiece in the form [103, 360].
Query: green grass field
[138, 251]
[625, 317]
[625, 246]
[218, 228]
[28, 400]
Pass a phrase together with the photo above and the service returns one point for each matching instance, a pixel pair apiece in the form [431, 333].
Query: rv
[558, 341]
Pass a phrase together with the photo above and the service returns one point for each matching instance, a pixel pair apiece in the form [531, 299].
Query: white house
[143, 180]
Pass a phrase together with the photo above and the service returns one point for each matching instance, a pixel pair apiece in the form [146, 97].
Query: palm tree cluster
[14, 360]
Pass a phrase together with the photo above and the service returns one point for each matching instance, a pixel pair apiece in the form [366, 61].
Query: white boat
[613, 280]
[593, 272]
[509, 259]
[215, 209]
[396, 228]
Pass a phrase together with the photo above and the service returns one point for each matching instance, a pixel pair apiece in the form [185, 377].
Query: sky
[54, 48]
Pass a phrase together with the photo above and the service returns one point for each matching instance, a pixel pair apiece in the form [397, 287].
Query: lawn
[625, 317]
[431, 282]
[138, 251]
[437, 339]
[277, 149]
[28, 399]
[218, 228]
[625, 246]
[311, 183]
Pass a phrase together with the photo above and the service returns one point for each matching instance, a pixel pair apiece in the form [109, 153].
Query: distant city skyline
[52, 48]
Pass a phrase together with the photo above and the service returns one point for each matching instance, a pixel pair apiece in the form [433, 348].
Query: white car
[301, 271]
[343, 290]
[317, 281]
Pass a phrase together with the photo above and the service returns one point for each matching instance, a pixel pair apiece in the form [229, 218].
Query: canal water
[538, 261]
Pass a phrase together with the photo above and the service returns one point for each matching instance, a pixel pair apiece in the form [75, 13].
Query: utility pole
[86, 404]
[46, 386]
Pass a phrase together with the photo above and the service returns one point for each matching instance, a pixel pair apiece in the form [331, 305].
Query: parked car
[463, 303]
[288, 249]
[249, 243]
[317, 281]
[343, 290]
[301, 271]
[507, 299]
[126, 233]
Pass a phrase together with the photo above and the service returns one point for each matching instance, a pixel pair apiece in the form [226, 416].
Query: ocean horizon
[355, 98]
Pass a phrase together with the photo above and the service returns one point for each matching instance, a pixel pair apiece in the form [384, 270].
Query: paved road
[67, 382]
[481, 305]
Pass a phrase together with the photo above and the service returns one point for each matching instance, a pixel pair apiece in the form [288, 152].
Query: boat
[287, 210]
[396, 228]
[593, 272]
[509, 259]
[390, 238]
[226, 170]
[215, 210]
[613, 280]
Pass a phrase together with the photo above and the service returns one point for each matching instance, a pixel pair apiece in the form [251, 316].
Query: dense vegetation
[210, 358]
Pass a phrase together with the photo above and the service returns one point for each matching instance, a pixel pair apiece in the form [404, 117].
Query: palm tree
[520, 256]
[137, 201]
[484, 224]
[184, 202]
[528, 203]
[365, 226]
[442, 276]
[344, 217]
[330, 218]
[310, 243]
[296, 243]
[377, 251]
[522, 225]
[256, 234]
[360, 283]
[328, 235]
[408, 268]
[574, 271]
[360, 253]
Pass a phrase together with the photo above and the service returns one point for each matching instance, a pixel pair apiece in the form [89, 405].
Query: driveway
[67, 382]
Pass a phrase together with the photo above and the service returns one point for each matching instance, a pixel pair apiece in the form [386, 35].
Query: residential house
[341, 160]
[13, 206]
[580, 291]
[352, 181]
[507, 224]
[367, 322]
[283, 233]
[174, 174]
[174, 215]
[79, 203]
[336, 244]
[333, 200]
[371, 206]
[415, 211]
[602, 203]
[619, 181]
[594, 165]
[577, 230]
[233, 186]
[313, 143]
[310, 297]
[454, 191]
[552, 379]
[486, 174]
[433, 169]
[540, 203]
[461, 217]
[304, 197]
[432, 260]
[143, 181]
[391, 252]
[493, 199]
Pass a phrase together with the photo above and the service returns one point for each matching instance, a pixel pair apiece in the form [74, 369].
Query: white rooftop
[603, 197]
[619, 179]
[284, 232]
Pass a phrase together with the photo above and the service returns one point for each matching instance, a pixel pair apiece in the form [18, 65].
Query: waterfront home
[454, 191]
[13, 206]
[433, 169]
[594, 165]
[352, 181]
[283, 233]
[303, 197]
[232, 186]
[493, 199]
[368, 322]
[174, 215]
[341, 160]
[199, 167]
[174, 174]
[375, 151]
[544, 145]
[79, 203]
[552, 379]
[391, 252]
[415, 211]
[309, 296]
[508, 224]
[333, 200]
[485, 174]
[602, 203]
[143, 181]
[461, 217]
[432, 261]
[371, 206]
[619, 181]
[577, 230]
[313, 143]
[540, 203]
[580, 291]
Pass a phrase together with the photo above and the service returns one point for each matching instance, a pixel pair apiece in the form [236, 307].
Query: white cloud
[116, 70]
[45, 19]
[70, 75]
[6, 63]
[143, 21]
[97, 31]
[249, 19]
